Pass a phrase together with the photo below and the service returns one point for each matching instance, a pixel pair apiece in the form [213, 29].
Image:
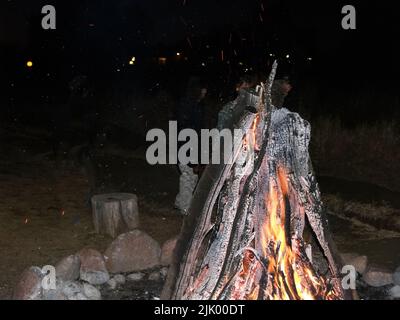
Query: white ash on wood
[243, 238]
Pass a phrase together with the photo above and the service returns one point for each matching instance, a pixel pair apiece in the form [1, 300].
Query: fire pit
[244, 237]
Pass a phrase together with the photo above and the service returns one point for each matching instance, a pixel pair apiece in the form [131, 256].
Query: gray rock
[91, 292]
[116, 281]
[396, 277]
[164, 272]
[56, 294]
[167, 251]
[132, 251]
[93, 268]
[78, 296]
[29, 286]
[136, 276]
[355, 260]
[377, 277]
[395, 292]
[112, 284]
[53, 295]
[71, 289]
[120, 279]
[68, 269]
[155, 276]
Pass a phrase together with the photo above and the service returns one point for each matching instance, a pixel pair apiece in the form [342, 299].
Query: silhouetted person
[226, 115]
[191, 115]
[279, 92]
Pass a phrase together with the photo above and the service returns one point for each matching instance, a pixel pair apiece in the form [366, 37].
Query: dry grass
[368, 152]
[378, 216]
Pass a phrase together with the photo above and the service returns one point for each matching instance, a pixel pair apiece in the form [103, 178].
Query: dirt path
[44, 212]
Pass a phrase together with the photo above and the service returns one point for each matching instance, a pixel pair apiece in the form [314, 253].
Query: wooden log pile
[244, 236]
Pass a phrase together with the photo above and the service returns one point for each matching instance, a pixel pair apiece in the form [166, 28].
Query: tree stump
[115, 213]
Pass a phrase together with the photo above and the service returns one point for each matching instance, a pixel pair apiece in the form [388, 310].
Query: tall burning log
[244, 236]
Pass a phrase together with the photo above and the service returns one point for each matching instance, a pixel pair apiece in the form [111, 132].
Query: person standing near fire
[280, 90]
[191, 115]
[226, 114]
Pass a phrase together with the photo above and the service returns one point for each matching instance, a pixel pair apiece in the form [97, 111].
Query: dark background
[353, 73]
[60, 146]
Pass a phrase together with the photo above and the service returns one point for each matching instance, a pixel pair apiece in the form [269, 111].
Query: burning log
[243, 238]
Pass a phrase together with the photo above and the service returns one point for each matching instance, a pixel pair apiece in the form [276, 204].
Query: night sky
[99, 37]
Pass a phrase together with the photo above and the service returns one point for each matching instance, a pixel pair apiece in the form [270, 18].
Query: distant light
[162, 60]
[309, 59]
[203, 64]
[29, 64]
[133, 60]
[178, 54]
[287, 56]
[271, 54]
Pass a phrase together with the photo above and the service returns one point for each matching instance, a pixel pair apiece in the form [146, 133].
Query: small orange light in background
[162, 60]
[29, 64]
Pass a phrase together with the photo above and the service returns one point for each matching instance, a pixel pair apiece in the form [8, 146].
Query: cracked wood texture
[223, 251]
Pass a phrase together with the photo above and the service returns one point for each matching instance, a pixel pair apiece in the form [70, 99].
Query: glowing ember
[248, 243]
[288, 273]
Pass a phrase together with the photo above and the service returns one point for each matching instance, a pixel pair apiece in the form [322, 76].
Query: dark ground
[44, 212]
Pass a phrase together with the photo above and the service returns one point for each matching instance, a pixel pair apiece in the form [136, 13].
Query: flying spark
[189, 42]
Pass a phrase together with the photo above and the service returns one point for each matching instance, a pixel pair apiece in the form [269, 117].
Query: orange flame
[250, 139]
[289, 276]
